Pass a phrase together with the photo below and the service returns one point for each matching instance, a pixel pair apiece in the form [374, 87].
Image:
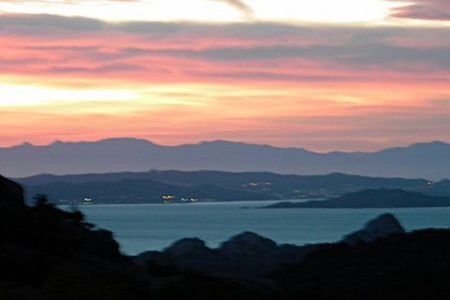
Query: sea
[143, 227]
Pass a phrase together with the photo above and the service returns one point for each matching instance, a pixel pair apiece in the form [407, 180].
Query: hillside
[50, 254]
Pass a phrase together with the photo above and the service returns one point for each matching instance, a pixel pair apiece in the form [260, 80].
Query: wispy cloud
[239, 5]
[75, 44]
[424, 9]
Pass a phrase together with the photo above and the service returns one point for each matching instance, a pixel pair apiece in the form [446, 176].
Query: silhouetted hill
[382, 198]
[45, 251]
[50, 254]
[12, 193]
[425, 160]
[150, 186]
[382, 262]
[246, 255]
[249, 255]
[404, 266]
[380, 227]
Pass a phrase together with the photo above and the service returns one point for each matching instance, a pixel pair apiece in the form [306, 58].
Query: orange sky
[332, 75]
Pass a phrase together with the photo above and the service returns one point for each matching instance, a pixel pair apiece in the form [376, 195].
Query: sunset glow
[324, 75]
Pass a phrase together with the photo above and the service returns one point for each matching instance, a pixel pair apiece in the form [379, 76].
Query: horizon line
[55, 142]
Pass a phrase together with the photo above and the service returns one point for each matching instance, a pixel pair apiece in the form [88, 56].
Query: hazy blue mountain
[425, 160]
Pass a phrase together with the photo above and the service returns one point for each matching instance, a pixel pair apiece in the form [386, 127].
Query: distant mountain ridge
[423, 160]
[151, 187]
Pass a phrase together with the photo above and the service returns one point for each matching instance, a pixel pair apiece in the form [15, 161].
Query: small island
[372, 198]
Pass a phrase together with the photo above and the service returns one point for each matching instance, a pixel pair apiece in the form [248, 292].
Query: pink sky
[321, 85]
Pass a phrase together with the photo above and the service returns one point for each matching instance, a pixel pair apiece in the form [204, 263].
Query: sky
[349, 75]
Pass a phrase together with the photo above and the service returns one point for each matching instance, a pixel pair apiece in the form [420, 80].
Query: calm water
[153, 227]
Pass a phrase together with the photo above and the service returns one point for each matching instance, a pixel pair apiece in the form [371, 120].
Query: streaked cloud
[239, 5]
[85, 43]
[424, 10]
[219, 11]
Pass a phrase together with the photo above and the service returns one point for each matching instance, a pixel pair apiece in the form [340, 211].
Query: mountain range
[422, 160]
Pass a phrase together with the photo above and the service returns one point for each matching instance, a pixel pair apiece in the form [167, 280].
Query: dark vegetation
[149, 187]
[47, 254]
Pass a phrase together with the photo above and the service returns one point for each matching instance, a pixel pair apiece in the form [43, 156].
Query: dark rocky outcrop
[383, 226]
[11, 192]
[187, 246]
[246, 255]
[404, 266]
[248, 244]
[46, 252]
[50, 254]
[250, 255]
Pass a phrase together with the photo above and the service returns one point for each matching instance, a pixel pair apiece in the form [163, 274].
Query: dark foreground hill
[249, 255]
[382, 198]
[405, 266]
[49, 254]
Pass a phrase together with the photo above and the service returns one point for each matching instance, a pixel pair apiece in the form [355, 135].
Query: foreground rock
[244, 255]
[50, 254]
[383, 226]
[403, 266]
[251, 255]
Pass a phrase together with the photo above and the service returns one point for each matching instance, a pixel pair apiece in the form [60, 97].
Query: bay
[142, 227]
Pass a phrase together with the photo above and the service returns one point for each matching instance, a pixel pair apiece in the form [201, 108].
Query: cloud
[48, 45]
[438, 10]
[239, 5]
